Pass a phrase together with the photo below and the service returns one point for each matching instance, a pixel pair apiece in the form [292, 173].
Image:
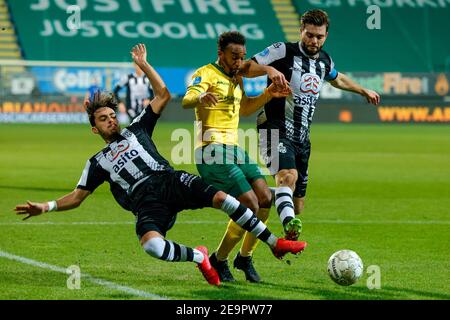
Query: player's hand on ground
[277, 78]
[208, 98]
[139, 54]
[372, 97]
[277, 92]
[30, 208]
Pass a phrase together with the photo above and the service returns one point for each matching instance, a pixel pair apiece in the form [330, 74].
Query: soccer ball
[345, 267]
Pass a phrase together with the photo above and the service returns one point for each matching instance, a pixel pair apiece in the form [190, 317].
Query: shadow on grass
[237, 291]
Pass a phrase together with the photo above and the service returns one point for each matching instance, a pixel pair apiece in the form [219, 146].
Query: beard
[112, 136]
[233, 72]
[309, 52]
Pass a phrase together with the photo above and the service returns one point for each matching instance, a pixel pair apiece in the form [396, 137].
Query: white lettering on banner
[237, 7]
[78, 117]
[366, 3]
[89, 31]
[107, 26]
[382, 3]
[62, 31]
[187, 7]
[41, 5]
[135, 6]
[175, 30]
[150, 30]
[62, 4]
[156, 31]
[215, 4]
[222, 7]
[111, 5]
[158, 5]
[121, 29]
[64, 79]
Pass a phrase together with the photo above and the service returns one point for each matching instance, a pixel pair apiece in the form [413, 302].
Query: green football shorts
[227, 167]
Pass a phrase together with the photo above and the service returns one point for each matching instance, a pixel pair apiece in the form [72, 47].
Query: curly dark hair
[98, 101]
[230, 37]
[315, 17]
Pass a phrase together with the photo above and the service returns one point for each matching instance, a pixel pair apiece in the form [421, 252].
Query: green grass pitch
[380, 190]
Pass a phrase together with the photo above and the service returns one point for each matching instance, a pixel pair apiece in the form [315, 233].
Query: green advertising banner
[386, 35]
[178, 33]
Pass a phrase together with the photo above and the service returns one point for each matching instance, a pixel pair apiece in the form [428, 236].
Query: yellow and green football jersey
[219, 122]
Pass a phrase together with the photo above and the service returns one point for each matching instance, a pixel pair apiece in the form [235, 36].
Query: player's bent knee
[287, 177]
[155, 247]
[219, 198]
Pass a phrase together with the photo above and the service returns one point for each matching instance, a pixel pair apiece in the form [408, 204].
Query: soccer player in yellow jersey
[217, 95]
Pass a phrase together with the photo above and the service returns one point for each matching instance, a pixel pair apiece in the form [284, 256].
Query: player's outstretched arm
[249, 105]
[162, 94]
[252, 69]
[67, 202]
[345, 83]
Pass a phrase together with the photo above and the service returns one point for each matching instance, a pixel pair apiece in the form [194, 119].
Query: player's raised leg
[155, 245]
[248, 221]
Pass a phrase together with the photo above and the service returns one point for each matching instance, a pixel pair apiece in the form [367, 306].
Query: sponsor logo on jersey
[122, 160]
[126, 134]
[187, 179]
[117, 149]
[264, 53]
[277, 45]
[282, 148]
[310, 83]
[302, 100]
[196, 81]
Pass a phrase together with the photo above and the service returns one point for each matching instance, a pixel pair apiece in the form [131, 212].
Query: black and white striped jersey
[138, 89]
[126, 162]
[293, 115]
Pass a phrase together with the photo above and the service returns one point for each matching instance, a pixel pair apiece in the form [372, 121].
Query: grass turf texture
[380, 190]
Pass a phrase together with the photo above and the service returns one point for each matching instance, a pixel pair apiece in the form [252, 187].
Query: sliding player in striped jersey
[143, 182]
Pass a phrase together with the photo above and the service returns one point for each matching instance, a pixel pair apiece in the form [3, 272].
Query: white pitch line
[95, 223]
[86, 276]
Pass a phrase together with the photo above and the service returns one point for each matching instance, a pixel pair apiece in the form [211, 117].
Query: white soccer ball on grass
[345, 267]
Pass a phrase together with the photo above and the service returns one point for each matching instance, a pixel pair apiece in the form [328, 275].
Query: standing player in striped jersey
[143, 182]
[139, 92]
[303, 66]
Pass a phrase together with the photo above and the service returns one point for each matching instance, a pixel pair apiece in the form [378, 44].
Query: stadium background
[407, 60]
[379, 175]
